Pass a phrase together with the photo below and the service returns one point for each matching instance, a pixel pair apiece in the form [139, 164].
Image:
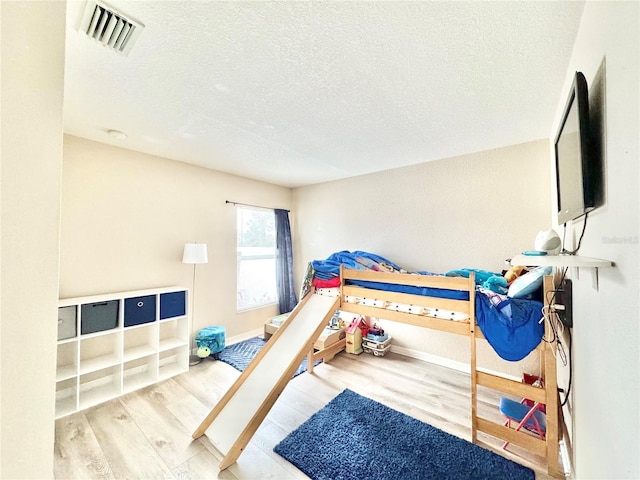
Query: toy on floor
[210, 341]
[376, 342]
[354, 334]
[376, 334]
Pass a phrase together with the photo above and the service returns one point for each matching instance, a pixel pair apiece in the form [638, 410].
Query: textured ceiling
[301, 92]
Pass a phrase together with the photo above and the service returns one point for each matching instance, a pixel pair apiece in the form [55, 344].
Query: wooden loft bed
[238, 414]
[386, 308]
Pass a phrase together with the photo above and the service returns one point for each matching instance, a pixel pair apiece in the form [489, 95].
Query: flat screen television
[577, 170]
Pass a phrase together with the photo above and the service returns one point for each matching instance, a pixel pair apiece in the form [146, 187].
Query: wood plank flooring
[147, 434]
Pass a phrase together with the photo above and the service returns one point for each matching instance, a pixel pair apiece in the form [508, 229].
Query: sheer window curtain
[287, 299]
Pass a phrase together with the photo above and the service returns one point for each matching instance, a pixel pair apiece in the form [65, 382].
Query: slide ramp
[235, 418]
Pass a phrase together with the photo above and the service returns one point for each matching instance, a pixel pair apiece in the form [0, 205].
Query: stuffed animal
[513, 273]
[212, 339]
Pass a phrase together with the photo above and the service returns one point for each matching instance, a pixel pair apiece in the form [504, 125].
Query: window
[256, 258]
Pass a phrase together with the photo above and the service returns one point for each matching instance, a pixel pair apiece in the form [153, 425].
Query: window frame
[248, 258]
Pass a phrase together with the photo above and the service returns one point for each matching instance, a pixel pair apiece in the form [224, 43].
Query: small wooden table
[272, 324]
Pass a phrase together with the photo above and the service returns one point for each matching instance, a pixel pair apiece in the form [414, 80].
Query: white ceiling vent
[111, 28]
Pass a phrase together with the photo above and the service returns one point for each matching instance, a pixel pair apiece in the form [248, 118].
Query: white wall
[32, 92]
[127, 215]
[471, 211]
[606, 370]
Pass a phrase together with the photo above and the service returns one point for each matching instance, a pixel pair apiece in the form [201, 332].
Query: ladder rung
[513, 387]
[531, 443]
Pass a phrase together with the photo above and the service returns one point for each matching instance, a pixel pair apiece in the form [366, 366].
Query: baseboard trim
[435, 359]
[258, 332]
[446, 362]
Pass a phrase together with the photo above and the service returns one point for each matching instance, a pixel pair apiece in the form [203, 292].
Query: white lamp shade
[195, 253]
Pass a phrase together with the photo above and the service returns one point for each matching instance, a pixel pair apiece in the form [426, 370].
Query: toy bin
[212, 338]
[173, 304]
[99, 316]
[139, 310]
[67, 322]
[377, 348]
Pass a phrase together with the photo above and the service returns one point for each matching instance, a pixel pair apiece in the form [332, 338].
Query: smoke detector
[109, 27]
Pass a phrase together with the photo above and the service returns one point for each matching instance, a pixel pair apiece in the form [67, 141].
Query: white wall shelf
[114, 359]
[559, 261]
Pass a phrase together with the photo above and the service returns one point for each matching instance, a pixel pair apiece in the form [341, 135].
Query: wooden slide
[236, 417]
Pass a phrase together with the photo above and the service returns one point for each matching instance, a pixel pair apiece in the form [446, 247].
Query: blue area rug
[356, 438]
[239, 355]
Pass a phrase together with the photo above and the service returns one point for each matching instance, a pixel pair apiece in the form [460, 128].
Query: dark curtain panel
[284, 262]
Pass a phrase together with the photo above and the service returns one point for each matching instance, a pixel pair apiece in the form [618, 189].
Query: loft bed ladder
[548, 395]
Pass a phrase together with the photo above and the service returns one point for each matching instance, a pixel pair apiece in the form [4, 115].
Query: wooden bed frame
[547, 394]
[235, 418]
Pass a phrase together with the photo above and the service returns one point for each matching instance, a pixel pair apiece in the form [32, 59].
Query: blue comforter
[513, 336]
[359, 260]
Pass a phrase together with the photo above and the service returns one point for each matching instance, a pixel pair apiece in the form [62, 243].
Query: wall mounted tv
[577, 162]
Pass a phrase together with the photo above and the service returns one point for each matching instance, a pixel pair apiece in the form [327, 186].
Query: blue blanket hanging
[512, 337]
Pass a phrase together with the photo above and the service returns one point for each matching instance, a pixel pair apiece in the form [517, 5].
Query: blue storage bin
[213, 338]
[139, 310]
[173, 304]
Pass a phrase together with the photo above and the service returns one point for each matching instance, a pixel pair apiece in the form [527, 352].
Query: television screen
[574, 180]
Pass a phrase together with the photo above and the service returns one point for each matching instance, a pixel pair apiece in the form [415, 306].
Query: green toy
[204, 352]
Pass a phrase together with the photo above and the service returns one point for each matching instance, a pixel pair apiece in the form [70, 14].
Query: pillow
[527, 284]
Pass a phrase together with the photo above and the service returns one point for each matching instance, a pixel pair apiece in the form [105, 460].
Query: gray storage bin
[67, 322]
[99, 316]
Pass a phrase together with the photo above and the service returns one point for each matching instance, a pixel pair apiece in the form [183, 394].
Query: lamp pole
[194, 253]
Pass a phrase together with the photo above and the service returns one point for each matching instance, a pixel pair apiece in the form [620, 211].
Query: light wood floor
[147, 434]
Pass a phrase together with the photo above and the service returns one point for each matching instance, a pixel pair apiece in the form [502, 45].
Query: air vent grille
[109, 27]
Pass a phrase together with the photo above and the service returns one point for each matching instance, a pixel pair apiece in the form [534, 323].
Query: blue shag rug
[356, 438]
[240, 354]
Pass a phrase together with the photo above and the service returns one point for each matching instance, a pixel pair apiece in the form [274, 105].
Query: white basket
[378, 352]
[376, 345]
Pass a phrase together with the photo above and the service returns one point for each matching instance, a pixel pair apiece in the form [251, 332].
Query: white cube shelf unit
[112, 344]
